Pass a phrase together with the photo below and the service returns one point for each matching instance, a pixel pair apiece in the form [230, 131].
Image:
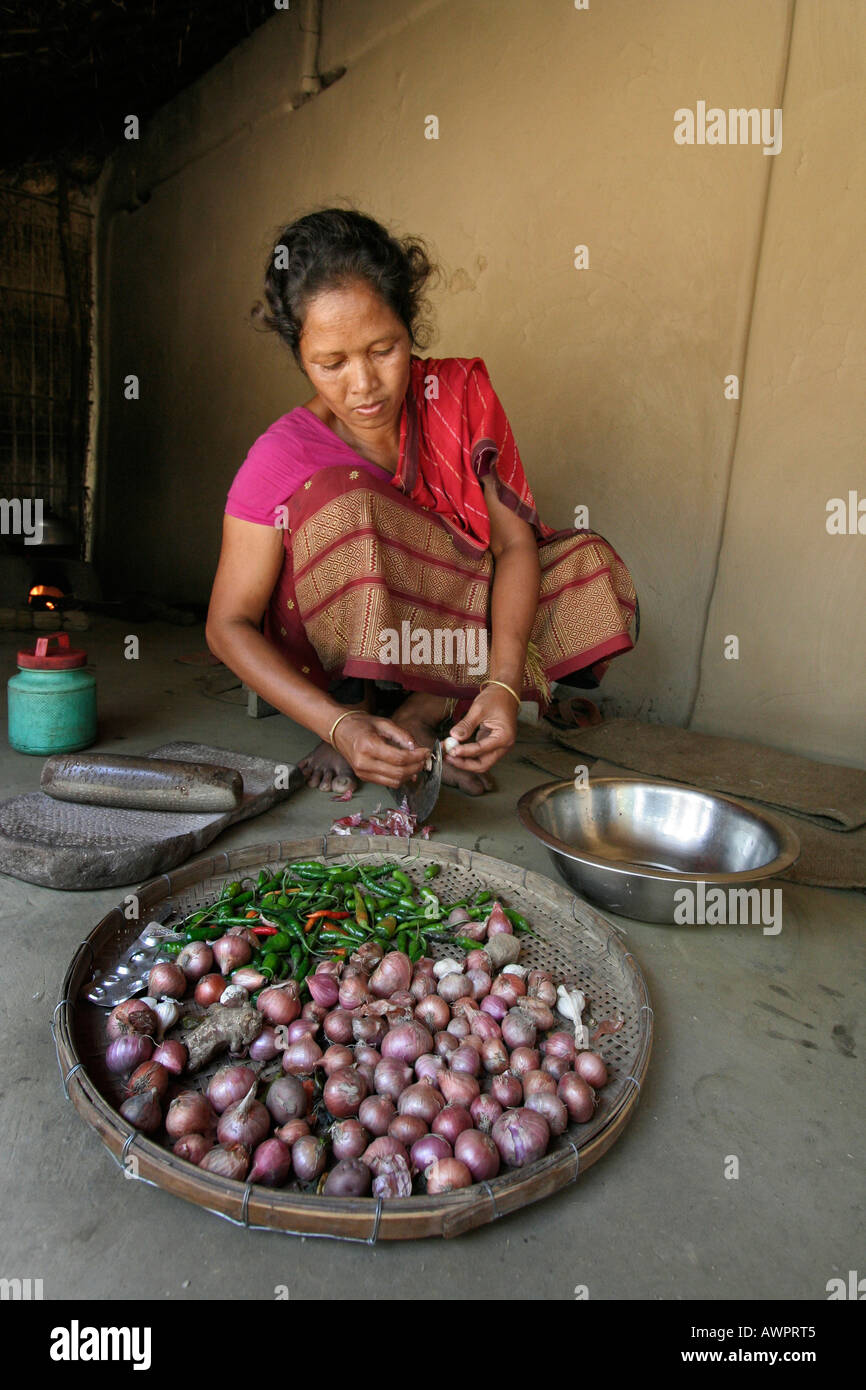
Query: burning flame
[42, 591]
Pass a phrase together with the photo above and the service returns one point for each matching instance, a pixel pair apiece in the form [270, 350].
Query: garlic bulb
[450, 744]
[571, 1004]
[519, 970]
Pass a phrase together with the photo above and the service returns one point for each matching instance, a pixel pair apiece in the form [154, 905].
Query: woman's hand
[493, 714]
[379, 750]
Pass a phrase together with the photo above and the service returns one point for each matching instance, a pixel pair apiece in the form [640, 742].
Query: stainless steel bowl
[631, 845]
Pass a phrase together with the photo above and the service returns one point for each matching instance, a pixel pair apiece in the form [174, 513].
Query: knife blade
[421, 796]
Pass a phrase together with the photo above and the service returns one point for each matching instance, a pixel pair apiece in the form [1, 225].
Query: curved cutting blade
[421, 795]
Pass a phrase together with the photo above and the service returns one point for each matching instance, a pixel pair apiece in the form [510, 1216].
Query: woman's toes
[325, 783]
[476, 785]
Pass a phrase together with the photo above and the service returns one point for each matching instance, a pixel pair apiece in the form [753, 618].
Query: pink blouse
[288, 453]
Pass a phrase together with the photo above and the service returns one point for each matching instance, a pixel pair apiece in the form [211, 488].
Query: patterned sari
[389, 578]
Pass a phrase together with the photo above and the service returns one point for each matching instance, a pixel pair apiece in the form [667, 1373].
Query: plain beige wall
[555, 129]
[793, 594]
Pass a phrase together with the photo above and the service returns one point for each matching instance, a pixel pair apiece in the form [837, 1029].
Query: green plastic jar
[52, 700]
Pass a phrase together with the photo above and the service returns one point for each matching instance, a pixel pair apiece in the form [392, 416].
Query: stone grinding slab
[63, 845]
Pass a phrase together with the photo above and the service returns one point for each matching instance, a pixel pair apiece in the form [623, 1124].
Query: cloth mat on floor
[824, 804]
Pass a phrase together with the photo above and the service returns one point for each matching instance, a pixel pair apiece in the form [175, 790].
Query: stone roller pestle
[141, 784]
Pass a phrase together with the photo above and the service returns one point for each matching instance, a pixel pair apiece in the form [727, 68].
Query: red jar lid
[43, 660]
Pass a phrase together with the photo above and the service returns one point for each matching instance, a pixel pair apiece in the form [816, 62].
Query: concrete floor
[756, 1055]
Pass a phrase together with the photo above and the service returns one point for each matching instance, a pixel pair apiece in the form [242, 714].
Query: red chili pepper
[264, 931]
[324, 912]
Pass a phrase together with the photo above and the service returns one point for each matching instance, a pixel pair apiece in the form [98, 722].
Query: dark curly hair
[327, 249]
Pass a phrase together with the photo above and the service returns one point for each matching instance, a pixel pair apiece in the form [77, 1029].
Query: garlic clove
[447, 967]
[233, 996]
[168, 1012]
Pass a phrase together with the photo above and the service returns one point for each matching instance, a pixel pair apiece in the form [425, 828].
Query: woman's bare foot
[419, 715]
[323, 764]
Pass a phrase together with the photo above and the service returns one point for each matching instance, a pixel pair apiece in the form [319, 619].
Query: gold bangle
[339, 720]
[484, 685]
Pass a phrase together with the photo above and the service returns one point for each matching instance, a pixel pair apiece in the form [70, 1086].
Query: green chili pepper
[171, 948]
[362, 916]
[404, 880]
[196, 917]
[432, 871]
[269, 965]
[466, 943]
[519, 923]
[296, 956]
[279, 943]
[303, 970]
[482, 897]
[415, 950]
[239, 900]
[355, 933]
[387, 926]
[203, 933]
[375, 889]
[346, 874]
[309, 868]
[403, 941]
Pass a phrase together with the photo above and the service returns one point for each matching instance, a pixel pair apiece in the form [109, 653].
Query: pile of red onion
[393, 1077]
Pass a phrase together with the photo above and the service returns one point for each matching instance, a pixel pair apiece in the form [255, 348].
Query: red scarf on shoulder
[453, 433]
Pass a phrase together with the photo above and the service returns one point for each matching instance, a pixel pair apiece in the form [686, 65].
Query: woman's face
[356, 352]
